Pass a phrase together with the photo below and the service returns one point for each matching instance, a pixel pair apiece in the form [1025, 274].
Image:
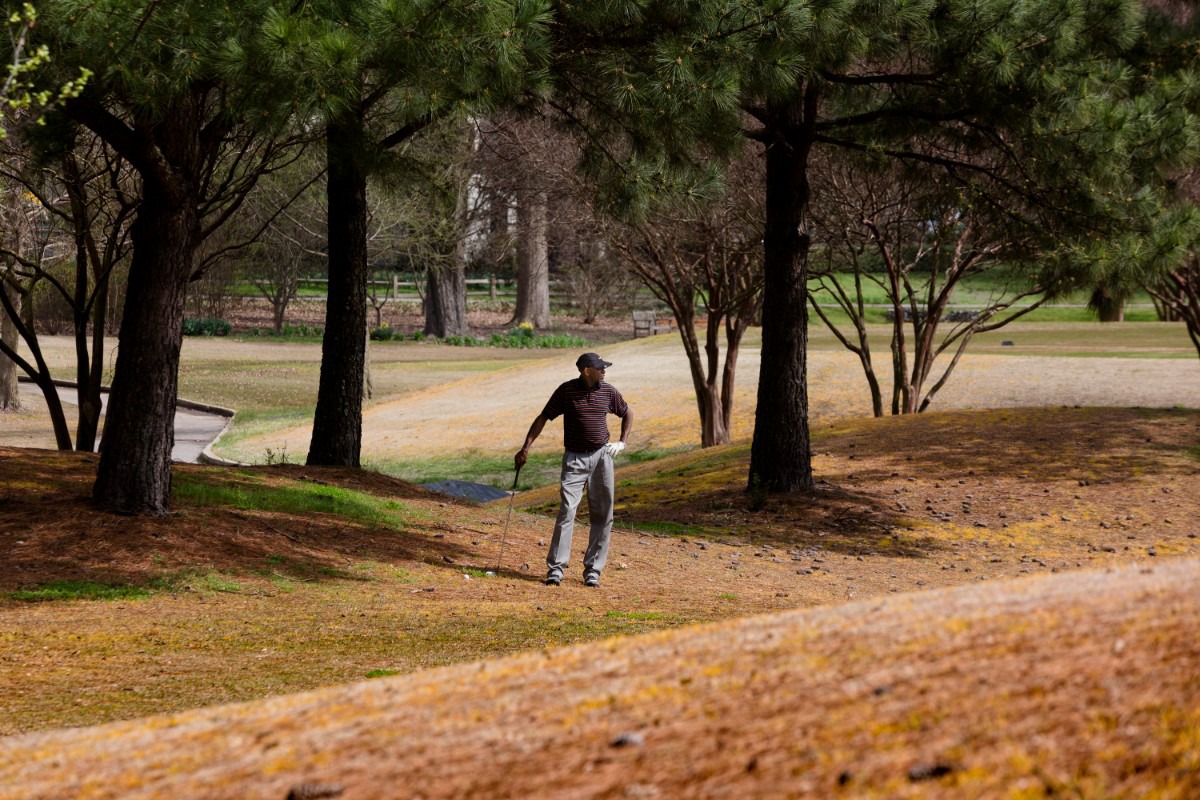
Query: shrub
[206, 327]
[383, 333]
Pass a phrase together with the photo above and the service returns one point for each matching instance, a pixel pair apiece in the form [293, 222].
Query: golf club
[512, 496]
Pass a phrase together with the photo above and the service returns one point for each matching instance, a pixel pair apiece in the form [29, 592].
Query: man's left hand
[612, 448]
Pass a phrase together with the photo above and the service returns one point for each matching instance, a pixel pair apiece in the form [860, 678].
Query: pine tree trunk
[10, 398]
[780, 459]
[337, 423]
[134, 476]
[1109, 307]
[446, 302]
[533, 262]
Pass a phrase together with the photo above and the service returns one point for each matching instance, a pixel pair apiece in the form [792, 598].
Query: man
[584, 404]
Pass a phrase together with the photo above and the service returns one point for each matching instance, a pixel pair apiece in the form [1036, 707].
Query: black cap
[592, 360]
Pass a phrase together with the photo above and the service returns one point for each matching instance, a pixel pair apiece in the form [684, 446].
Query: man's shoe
[591, 581]
[553, 581]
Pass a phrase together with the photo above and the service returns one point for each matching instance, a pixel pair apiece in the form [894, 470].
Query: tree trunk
[1109, 306]
[780, 458]
[337, 423]
[90, 403]
[368, 381]
[714, 423]
[278, 312]
[446, 296]
[533, 262]
[134, 476]
[446, 302]
[10, 398]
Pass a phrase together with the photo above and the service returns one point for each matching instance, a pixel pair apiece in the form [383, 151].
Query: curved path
[490, 413]
[196, 426]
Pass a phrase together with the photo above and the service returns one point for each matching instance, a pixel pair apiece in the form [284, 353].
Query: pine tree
[1028, 103]
[158, 98]
[379, 73]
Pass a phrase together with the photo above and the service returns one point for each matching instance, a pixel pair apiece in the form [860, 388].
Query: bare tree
[1177, 295]
[69, 229]
[917, 240]
[595, 278]
[711, 256]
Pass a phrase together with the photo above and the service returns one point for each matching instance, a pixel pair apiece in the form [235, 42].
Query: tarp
[478, 492]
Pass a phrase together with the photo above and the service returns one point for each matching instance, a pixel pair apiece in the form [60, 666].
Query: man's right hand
[520, 458]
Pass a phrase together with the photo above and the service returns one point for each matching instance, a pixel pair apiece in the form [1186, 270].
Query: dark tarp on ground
[472, 491]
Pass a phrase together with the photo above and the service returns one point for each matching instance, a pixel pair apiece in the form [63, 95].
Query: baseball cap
[592, 360]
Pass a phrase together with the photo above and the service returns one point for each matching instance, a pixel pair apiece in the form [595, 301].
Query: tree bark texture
[1109, 306]
[10, 399]
[533, 261]
[446, 301]
[780, 458]
[337, 423]
[134, 476]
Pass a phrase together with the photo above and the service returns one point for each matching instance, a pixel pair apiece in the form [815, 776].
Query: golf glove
[612, 448]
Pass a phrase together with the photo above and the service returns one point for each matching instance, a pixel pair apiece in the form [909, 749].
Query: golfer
[588, 461]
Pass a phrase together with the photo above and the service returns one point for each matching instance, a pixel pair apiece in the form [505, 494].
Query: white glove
[612, 448]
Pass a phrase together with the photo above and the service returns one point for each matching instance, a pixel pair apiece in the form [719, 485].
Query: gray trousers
[595, 471]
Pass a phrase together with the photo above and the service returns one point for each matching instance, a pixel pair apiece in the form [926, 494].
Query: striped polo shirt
[584, 410]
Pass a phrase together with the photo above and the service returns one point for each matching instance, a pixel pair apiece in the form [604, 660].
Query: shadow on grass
[703, 494]
[226, 526]
[1092, 444]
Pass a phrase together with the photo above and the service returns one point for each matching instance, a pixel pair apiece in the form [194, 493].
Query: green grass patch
[651, 454]
[638, 616]
[671, 528]
[80, 590]
[490, 469]
[382, 673]
[296, 498]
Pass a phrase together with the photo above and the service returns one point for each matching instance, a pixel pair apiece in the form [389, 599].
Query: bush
[290, 331]
[206, 327]
[385, 333]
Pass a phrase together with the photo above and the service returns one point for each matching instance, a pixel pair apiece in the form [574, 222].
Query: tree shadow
[50, 531]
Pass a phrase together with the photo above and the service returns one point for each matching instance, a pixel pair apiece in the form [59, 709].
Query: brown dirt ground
[1071, 679]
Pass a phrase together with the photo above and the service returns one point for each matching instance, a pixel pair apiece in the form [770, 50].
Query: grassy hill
[997, 602]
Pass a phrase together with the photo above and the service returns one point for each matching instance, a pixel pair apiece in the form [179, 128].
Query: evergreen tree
[379, 73]
[158, 98]
[1028, 101]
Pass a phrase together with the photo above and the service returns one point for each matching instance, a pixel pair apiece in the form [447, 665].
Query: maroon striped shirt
[584, 410]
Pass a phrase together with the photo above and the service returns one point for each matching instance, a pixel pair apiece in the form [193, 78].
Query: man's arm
[626, 425]
[535, 430]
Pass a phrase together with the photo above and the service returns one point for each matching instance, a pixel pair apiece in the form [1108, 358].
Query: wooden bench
[649, 323]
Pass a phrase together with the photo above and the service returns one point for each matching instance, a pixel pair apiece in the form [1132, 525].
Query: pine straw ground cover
[271, 580]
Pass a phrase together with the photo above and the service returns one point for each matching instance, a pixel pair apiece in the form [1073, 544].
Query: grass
[974, 290]
[489, 469]
[636, 616]
[80, 590]
[1061, 339]
[298, 598]
[382, 673]
[246, 491]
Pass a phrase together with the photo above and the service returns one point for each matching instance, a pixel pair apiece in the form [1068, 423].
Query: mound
[1081, 684]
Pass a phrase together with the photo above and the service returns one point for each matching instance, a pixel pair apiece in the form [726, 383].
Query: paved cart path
[491, 412]
[194, 429]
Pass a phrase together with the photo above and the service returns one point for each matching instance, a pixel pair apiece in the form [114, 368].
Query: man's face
[592, 376]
